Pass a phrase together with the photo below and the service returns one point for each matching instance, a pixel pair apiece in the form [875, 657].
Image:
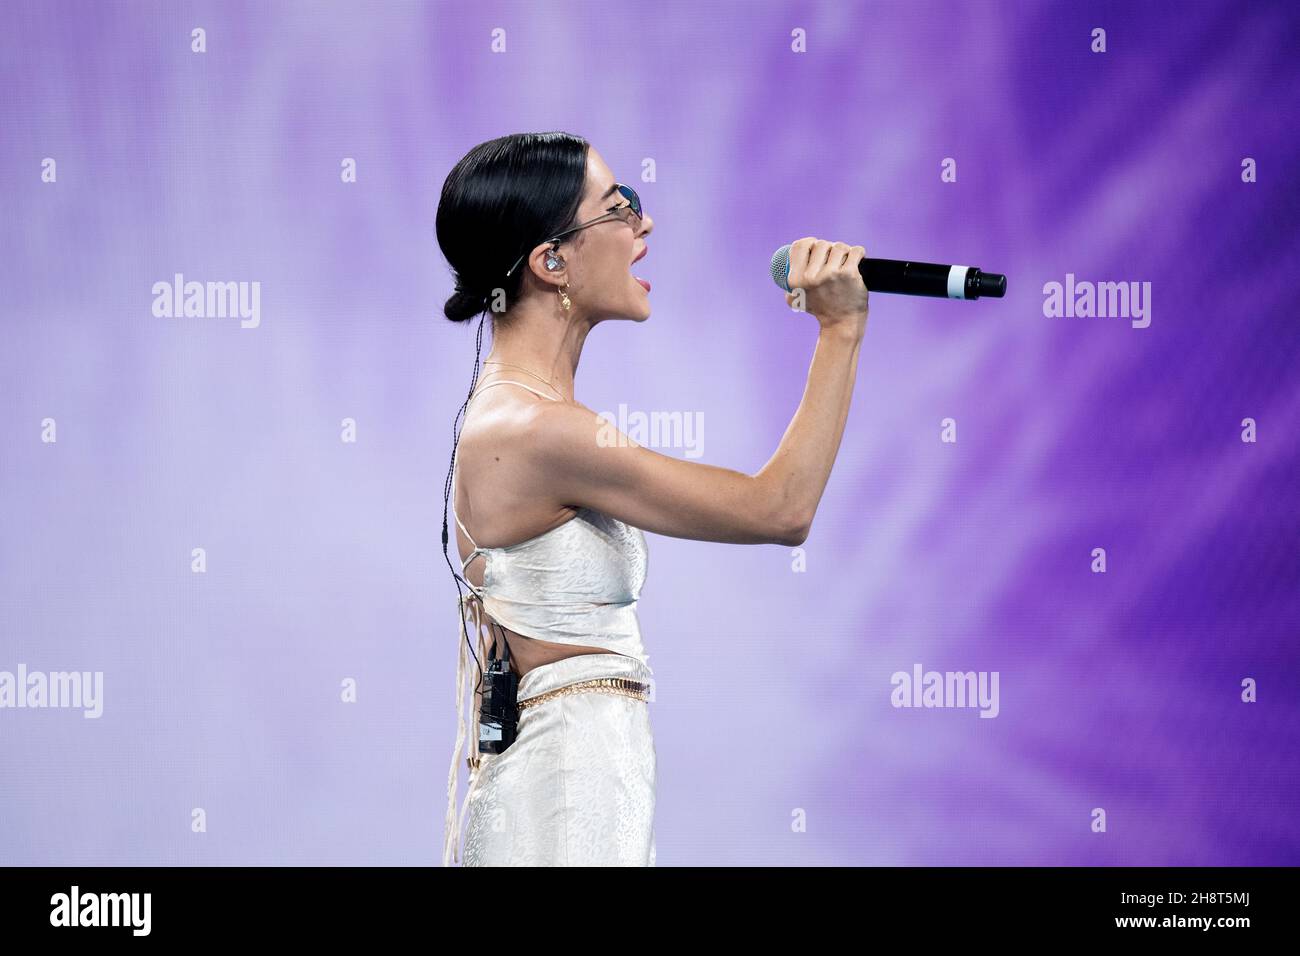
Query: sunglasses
[629, 211]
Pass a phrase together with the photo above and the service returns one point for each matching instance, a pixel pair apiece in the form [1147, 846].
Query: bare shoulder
[568, 432]
[558, 419]
[505, 420]
[505, 494]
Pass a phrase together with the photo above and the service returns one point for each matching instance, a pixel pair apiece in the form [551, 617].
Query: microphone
[911, 278]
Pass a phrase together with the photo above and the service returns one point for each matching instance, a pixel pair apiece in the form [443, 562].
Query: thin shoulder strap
[455, 478]
[465, 562]
[469, 537]
[511, 381]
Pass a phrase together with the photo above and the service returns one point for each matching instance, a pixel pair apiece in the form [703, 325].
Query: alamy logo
[946, 689]
[57, 689]
[683, 430]
[102, 909]
[209, 300]
[1086, 300]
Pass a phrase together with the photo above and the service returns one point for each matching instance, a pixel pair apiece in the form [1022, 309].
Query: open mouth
[643, 283]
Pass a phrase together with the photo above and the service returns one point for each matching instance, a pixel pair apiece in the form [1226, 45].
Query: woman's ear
[548, 265]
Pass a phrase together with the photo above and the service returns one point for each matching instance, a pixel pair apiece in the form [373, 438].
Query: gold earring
[565, 303]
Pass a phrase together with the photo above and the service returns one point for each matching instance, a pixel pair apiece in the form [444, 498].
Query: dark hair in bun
[502, 199]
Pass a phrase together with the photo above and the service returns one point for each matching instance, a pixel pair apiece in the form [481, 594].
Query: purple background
[1118, 690]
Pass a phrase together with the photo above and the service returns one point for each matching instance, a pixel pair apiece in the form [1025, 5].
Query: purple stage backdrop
[224, 605]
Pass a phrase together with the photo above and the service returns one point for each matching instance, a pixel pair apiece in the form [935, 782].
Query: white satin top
[578, 583]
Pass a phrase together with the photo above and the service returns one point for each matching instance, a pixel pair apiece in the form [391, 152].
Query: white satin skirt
[577, 786]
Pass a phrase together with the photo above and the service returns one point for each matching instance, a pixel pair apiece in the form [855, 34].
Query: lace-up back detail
[575, 584]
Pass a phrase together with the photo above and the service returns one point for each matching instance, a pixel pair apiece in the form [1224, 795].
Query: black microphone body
[904, 277]
[930, 278]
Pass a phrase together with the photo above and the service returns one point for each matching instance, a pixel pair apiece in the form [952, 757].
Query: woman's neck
[542, 344]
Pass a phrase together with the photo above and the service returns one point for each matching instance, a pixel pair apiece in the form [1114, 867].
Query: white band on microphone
[957, 281]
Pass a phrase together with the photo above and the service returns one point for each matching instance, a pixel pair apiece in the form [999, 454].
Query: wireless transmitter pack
[498, 719]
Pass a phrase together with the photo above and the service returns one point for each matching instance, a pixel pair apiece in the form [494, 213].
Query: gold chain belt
[624, 686]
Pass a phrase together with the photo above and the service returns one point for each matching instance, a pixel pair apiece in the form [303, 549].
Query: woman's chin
[633, 313]
[638, 310]
[643, 299]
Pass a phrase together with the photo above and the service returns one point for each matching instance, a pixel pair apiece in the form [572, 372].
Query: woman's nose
[647, 225]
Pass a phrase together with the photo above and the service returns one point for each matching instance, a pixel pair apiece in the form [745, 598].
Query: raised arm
[687, 499]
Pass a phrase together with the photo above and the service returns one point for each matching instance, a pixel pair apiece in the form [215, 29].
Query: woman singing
[550, 511]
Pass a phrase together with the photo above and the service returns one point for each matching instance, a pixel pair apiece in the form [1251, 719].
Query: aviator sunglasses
[631, 205]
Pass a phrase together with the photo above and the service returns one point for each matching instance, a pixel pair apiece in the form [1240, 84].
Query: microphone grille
[781, 267]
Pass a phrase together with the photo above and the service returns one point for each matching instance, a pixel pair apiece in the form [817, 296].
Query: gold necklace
[522, 369]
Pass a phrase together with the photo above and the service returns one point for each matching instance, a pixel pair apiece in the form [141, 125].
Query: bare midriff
[529, 652]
